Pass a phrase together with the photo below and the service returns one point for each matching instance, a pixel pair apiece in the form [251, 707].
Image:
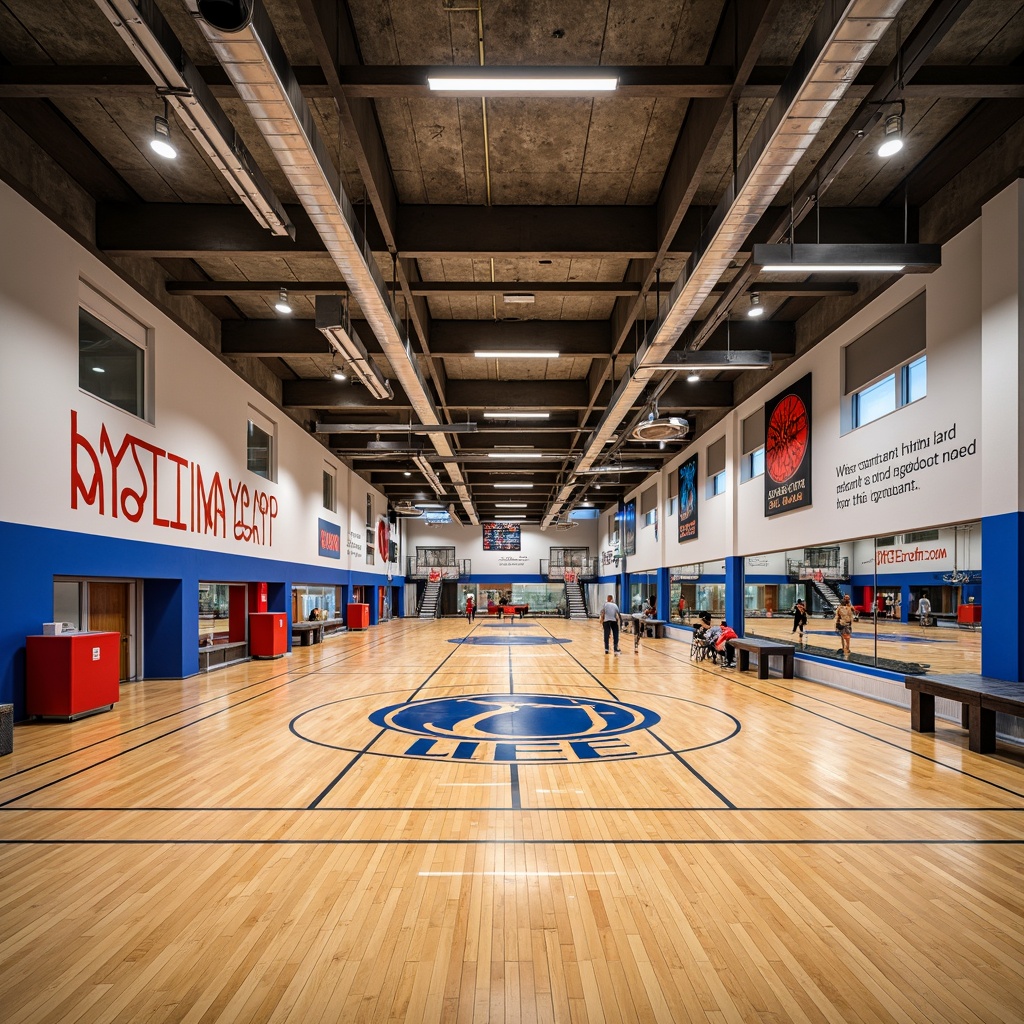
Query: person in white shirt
[610, 623]
[924, 610]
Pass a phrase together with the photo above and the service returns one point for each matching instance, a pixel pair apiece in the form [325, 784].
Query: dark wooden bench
[981, 699]
[764, 649]
[653, 628]
[309, 632]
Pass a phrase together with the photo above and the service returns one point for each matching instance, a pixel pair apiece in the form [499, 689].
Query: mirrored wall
[916, 598]
[695, 588]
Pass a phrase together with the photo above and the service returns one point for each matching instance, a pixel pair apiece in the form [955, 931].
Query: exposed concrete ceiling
[592, 204]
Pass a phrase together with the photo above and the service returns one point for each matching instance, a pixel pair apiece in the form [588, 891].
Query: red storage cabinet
[968, 614]
[268, 634]
[358, 616]
[72, 674]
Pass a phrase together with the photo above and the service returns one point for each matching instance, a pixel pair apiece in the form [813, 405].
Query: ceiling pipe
[837, 47]
[244, 41]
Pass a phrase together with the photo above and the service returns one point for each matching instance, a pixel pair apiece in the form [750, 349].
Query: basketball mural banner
[787, 449]
[688, 499]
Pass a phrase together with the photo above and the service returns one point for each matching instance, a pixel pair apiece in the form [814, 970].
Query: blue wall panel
[170, 592]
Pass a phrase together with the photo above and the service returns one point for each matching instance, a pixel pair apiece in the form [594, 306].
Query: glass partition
[695, 588]
[916, 599]
[643, 587]
[307, 596]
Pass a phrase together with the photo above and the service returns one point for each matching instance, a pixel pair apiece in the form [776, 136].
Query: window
[921, 537]
[112, 350]
[330, 482]
[259, 445]
[649, 505]
[906, 384]
[875, 401]
[886, 367]
[716, 468]
[752, 436]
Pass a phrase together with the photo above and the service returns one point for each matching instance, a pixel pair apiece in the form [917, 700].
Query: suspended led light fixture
[282, 305]
[511, 414]
[338, 373]
[161, 142]
[893, 141]
[862, 258]
[333, 322]
[481, 81]
[756, 309]
[517, 354]
[702, 359]
[665, 428]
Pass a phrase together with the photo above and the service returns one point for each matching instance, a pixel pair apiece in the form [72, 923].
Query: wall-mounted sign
[688, 499]
[502, 537]
[629, 528]
[787, 449]
[328, 539]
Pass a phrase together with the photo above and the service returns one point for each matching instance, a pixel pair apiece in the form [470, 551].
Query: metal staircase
[828, 594]
[431, 596]
[574, 600]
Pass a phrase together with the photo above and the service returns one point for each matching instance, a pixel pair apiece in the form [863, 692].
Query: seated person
[725, 633]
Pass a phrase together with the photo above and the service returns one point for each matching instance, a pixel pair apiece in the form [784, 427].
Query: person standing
[924, 610]
[470, 609]
[610, 623]
[682, 608]
[799, 619]
[844, 625]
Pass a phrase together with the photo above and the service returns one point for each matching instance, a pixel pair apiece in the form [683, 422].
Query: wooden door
[110, 612]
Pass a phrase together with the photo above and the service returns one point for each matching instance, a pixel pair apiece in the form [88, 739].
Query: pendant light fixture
[282, 305]
[161, 143]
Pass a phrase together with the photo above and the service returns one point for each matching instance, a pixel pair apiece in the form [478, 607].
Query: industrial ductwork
[839, 45]
[245, 43]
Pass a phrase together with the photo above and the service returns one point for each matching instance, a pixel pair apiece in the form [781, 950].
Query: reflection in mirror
[916, 599]
[695, 588]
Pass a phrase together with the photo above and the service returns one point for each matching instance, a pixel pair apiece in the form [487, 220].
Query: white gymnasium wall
[468, 542]
[199, 414]
[948, 419]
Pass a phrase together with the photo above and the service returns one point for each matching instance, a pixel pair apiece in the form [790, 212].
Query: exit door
[110, 611]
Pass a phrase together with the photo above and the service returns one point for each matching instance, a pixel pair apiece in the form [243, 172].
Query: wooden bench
[653, 628]
[981, 699]
[764, 649]
[309, 632]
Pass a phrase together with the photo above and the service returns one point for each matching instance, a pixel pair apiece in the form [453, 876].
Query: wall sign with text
[787, 449]
[688, 499]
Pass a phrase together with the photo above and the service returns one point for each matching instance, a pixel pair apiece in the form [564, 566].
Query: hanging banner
[688, 499]
[787, 449]
[629, 528]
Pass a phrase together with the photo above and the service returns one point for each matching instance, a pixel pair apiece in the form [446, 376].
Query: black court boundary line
[844, 725]
[682, 760]
[174, 714]
[138, 746]
[502, 808]
[511, 842]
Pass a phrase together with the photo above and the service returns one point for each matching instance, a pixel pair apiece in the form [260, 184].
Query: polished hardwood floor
[393, 826]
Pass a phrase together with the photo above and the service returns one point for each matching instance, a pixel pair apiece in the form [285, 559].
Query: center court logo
[519, 727]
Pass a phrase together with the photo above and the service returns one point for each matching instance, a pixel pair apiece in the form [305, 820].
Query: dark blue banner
[329, 537]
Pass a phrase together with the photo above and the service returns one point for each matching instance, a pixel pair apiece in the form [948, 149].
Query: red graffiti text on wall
[140, 482]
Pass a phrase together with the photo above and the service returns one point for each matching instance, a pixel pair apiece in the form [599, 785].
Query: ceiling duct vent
[664, 428]
[566, 524]
[408, 509]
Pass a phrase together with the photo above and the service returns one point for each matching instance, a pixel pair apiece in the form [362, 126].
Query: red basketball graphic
[786, 443]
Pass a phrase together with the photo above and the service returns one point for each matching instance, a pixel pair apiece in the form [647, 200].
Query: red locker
[268, 634]
[72, 674]
[358, 616]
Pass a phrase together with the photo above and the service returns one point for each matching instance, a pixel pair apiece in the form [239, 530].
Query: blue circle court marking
[517, 728]
[509, 641]
[519, 716]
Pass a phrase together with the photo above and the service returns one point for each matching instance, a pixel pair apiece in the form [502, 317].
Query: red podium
[268, 634]
[358, 616]
[72, 674]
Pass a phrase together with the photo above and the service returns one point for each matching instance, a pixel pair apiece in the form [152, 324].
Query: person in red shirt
[722, 645]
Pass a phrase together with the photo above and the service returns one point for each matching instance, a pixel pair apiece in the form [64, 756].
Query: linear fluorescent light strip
[514, 354]
[833, 268]
[516, 487]
[512, 415]
[510, 504]
[512, 455]
[487, 83]
[154, 45]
